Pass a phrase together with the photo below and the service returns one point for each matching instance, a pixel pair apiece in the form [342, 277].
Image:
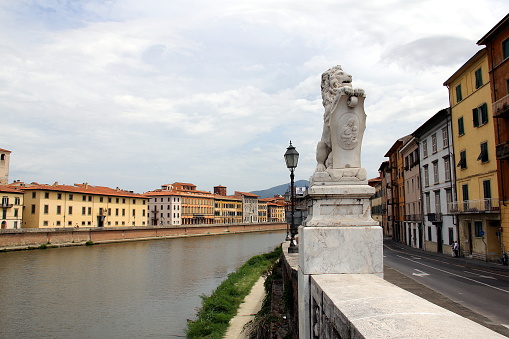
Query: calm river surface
[145, 289]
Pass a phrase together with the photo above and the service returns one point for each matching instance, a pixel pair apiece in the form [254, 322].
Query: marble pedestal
[339, 237]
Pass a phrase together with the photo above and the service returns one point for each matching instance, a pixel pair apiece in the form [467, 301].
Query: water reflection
[138, 290]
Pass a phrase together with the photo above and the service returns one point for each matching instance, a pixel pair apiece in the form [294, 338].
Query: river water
[145, 289]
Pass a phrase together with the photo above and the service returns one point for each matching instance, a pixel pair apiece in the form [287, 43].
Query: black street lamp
[291, 159]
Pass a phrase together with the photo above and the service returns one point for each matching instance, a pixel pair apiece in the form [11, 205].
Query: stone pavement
[247, 310]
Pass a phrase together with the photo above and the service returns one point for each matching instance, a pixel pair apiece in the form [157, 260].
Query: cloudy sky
[135, 94]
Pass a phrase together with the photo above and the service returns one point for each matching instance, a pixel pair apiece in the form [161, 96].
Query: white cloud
[136, 94]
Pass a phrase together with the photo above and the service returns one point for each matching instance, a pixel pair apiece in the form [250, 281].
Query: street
[480, 288]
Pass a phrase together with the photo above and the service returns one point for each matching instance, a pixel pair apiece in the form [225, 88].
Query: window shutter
[484, 113]
[475, 117]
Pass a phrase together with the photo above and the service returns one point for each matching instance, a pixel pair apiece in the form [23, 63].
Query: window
[478, 228]
[70, 210]
[438, 209]
[34, 194]
[461, 127]
[59, 210]
[486, 184]
[435, 172]
[84, 198]
[478, 78]
[505, 48]
[429, 234]
[445, 137]
[70, 197]
[109, 199]
[434, 143]
[45, 223]
[17, 201]
[116, 212]
[448, 196]
[480, 115]
[483, 156]
[459, 95]
[425, 148]
[59, 196]
[15, 213]
[83, 210]
[451, 235]
[46, 195]
[89, 198]
[134, 212]
[46, 209]
[100, 199]
[463, 160]
[428, 203]
[447, 165]
[89, 211]
[123, 212]
[33, 209]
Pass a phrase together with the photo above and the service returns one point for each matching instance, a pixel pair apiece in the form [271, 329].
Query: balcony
[475, 206]
[413, 217]
[435, 217]
[502, 151]
[501, 108]
[6, 205]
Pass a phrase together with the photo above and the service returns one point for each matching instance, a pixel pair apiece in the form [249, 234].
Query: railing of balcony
[475, 206]
[434, 217]
[413, 217]
[501, 107]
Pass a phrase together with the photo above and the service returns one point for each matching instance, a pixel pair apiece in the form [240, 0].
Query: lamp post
[287, 201]
[291, 159]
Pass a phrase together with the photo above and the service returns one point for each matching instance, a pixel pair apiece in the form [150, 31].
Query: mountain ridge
[279, 190]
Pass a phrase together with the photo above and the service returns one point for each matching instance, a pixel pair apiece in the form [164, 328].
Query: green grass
[222, 305]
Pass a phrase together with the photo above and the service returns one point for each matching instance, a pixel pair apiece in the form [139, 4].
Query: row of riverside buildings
[449, 179]
[82, 205]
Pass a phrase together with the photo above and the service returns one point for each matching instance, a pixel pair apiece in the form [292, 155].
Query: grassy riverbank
[222, 305]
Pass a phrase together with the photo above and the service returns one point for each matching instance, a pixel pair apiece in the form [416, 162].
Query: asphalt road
[483, 289]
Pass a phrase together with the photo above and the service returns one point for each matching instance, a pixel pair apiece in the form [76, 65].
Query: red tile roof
[85, 189]
[10, 189]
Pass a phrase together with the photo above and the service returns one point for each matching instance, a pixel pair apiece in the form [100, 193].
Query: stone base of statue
[339, 236]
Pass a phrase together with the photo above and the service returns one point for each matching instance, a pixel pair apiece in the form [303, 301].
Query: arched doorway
[4, 224]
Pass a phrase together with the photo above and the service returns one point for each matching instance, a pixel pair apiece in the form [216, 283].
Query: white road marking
[457, 275]
[420, 274]
[481, 276]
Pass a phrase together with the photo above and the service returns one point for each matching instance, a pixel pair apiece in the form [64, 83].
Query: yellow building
[275, 209]
[227, 210]
[477, 206]
[82, 205]
[12, 207]
[262, 210]
[197, 206]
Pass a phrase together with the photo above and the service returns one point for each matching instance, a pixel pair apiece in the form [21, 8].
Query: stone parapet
[366, 306]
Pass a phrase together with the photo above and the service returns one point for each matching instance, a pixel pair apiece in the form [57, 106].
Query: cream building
[165, 207]
[11, 212]
[82, 205]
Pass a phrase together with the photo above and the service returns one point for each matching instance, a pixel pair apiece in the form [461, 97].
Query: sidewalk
[247, 310]
[463, 260]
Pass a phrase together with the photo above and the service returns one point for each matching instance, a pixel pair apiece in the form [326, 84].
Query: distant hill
[279, 190]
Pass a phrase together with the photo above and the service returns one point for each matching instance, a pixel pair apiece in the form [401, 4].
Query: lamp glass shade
[291, 157]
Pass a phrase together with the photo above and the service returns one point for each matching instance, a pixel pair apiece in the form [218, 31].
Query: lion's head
[333, 79]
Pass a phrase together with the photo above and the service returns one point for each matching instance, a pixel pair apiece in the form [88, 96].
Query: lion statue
[334, 83]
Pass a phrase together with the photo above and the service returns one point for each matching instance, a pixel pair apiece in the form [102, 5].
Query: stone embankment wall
[24, 238]
[359, 306]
